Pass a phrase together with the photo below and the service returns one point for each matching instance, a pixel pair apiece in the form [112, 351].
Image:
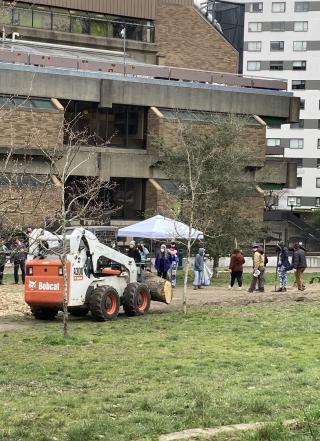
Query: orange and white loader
[99, 279]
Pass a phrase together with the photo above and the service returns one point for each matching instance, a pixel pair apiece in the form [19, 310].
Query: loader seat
[110, 272]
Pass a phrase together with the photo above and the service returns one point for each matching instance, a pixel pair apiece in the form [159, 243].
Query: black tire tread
[78, 312]
[96, 300]
[129, 304]
[41, 313]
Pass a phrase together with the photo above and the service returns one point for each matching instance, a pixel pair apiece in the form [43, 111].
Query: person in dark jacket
[3, 257]
[163, 262]
[236, 266]
[134, 252]
[198, 268]
[299, 263]
[19, 260]
[283, 265]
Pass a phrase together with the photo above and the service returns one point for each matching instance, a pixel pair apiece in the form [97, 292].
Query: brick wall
[23, 128]
[186, 39]
[158, 201]
[252, 138]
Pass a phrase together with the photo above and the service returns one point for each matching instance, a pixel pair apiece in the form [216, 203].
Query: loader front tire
[41, 313]
[104, 303]
[136, 299]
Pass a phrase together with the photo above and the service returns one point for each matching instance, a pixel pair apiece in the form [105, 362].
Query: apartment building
[124, 66]
[282, 40]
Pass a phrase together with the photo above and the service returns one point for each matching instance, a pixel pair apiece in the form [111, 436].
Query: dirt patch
[15, 314]
[220, 296]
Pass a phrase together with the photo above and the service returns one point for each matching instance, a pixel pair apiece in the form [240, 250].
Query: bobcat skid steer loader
[99, 279]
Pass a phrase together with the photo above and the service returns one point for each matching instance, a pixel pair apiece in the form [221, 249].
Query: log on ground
[160, 289]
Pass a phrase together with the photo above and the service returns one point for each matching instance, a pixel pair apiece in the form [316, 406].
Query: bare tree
[207, 162]
[74, 198]
[272, 197]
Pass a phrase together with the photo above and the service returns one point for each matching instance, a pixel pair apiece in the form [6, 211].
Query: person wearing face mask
[174, 257]
[198, 268]
[163, 262]
[134, 252]
[143, 250]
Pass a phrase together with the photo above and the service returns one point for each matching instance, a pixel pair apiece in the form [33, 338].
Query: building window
[318, 162]
[298, 84]
[300, 26]
[299, 162]
[276, 45]
[24, 180]
[81, 22]
[318, 182]
[254, 46]
[42, 17]
[299, 182]
[278, 26]
[22, 17]
[253, 65]
[129, 197]
[254, 27]
[299, 45]
[302, 104]
[317, 202]
[278, 7]
[276, 65]
[273, 142]
[296, 143]
[256, 7]
[294, 201]
[301, 6]
[318, 144]
[299, 65]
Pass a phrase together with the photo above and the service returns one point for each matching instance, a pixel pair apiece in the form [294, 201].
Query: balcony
[274, 150]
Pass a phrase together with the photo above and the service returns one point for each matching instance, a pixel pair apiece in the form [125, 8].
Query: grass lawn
[138, 378]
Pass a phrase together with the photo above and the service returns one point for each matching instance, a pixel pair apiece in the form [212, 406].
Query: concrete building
[68, 61]
[282, 40]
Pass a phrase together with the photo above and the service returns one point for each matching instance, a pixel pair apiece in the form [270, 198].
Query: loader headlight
[60, 271]
[29, 271]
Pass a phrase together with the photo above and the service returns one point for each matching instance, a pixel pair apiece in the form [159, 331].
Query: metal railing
[125, 67]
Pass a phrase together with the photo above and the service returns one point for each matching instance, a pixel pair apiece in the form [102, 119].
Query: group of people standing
[16, 253]
[260, 260]
[166, 261]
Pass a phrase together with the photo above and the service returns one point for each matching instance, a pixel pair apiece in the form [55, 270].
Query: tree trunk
[215, 265]
[64, 266]
[185, 282]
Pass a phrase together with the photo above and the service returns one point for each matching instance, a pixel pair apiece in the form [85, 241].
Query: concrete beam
[32, 83]
[215, 98]
[108, 89]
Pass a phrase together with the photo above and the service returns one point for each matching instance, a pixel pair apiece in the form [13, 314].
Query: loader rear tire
[104, 303]
[80, 311]
[136, 299]
[41, 313]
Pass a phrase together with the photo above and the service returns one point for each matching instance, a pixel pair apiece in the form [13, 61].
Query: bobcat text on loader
[99, 279]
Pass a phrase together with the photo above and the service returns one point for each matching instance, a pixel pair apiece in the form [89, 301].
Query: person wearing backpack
[283, 265]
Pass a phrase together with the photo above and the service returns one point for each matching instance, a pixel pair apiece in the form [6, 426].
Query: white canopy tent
[159, 227]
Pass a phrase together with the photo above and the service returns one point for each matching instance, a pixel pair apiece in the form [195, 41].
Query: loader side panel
[44, 285]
